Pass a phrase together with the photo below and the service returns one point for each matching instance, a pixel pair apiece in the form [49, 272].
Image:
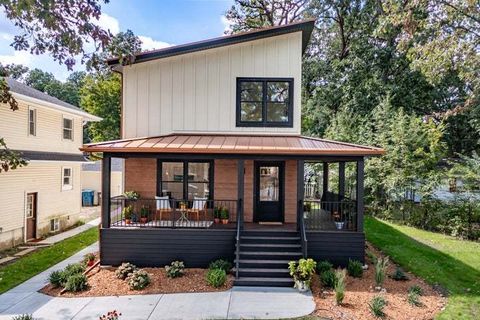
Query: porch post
[240, 190]
[360, 194]
[325, 179]
[106, 177]
[300, 189]
[341, 180]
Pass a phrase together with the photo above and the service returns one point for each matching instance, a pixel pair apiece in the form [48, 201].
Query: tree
[245, 15]
[9, 159]
[14, 71]
[100, 95]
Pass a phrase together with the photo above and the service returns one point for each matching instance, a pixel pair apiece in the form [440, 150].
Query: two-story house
[45, 195]
[213, 146]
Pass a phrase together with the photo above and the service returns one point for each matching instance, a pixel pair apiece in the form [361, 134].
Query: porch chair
[199, 205]
[163, 207]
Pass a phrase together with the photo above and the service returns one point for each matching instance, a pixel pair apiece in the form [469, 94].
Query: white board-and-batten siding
[196, 92]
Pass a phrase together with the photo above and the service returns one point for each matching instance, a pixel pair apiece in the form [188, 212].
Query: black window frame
[264, 122]
[185, 177]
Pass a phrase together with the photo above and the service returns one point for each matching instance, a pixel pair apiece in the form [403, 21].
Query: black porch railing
[170, 213]
[330, 215]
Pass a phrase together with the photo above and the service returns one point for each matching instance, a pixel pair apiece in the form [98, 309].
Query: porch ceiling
[232, 144]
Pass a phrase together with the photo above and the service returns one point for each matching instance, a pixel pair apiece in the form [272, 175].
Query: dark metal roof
[21, 88]
[51, 156]
[305, 26]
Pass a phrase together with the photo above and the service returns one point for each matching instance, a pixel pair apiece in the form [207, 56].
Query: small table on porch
[183, 215]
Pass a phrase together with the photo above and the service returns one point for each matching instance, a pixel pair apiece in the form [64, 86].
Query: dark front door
[269, 178]
[31, 216]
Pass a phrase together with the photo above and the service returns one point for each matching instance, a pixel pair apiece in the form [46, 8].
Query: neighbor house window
[184, 179]
[67, 179]
[263, 102]
[54, 225]
[32, 122]
[67, 129]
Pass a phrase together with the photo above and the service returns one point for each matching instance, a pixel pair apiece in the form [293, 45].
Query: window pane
[251, 111]
[277, 91]
[66, 172]
[67, 134]
[198, 171]
[32, 128]
[172, 171]
[269, 184]
[173, 189]
[67, 123]
[277, 112]
[199, 190]
[251, 91]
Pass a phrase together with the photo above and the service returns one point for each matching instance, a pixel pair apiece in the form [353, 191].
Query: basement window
[54, 225]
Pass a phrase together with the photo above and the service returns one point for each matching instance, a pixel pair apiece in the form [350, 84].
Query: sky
[159, 24]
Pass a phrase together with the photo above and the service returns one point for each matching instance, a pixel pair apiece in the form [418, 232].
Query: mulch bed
[359, 292]
[103, 282]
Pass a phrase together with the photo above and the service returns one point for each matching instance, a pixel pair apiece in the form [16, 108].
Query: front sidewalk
[237, 303]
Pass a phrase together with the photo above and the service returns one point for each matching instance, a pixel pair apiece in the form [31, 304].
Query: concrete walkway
[70, 233]
[237, 303]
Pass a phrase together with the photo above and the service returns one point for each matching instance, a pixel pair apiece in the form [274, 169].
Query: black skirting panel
[336, 247]
[159, 247]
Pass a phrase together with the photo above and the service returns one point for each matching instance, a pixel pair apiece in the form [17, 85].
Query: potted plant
[131, 195]
[224, 215]
[144, 212]
[183, 205]
[127, 213]
[216, 214]
[89, 259]
[302, 272]
[339, 224]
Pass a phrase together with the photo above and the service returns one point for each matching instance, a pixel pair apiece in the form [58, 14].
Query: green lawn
[23, 269]
[439, 259]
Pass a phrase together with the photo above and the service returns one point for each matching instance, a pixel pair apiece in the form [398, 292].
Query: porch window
[264, 102]
[185, 179]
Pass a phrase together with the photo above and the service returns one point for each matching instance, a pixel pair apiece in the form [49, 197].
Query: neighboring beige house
[44, 196]
[92, 178]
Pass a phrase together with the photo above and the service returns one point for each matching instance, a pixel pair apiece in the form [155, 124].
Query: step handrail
[303, 232]
[239, 228]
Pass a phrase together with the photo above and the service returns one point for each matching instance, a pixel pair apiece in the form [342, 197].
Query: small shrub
[124, 270]
[355, 268]
[216, 277]
[111, 315]
[380, 271]
[415, 289]
[376, 305]
[138, 279]
[414, 299]
[56, 278]
[372, 256]
[175, 269]
[399, 275]
[340, 276]
[74, 268]
[323, 266]
[76, 282]
[221, 264]
[23, 317]
[328, 278]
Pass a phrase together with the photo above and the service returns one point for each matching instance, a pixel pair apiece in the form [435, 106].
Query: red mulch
[359, 292]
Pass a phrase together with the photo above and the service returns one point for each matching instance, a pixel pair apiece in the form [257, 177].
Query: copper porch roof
[232, 144]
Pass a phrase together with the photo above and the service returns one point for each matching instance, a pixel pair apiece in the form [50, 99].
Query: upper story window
[264, 102]
[67, 183]
[67, 129]
[32, 121]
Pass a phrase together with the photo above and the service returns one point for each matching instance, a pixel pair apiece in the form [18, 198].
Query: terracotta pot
[143, 220]
[128, 221]
[90, 263]
[216, 220]
[225, 221]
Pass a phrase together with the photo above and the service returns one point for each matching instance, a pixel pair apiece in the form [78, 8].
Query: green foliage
[323, 266]
[23, 317]
[413, 299]
[216, 277]
[175, 269]
[138, 279]
[302, 270]
[221, 264]
[124, 270]
[89, 257]
[9, 159]
[224, 213]
[328, 278]
[127, 212]
[340, 285]
[144, 211]
[399, 275]
[416, 289]
[373, 258]
[131, 195]
[355, 268]
[380, 271]
[72, 269]
[76, 282]
[56, 278]
[376, 305]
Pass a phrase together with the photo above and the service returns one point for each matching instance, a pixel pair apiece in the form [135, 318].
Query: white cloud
[227, 25]
[17, 57]
[6, 36]
[108, 23]
[150, 44]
